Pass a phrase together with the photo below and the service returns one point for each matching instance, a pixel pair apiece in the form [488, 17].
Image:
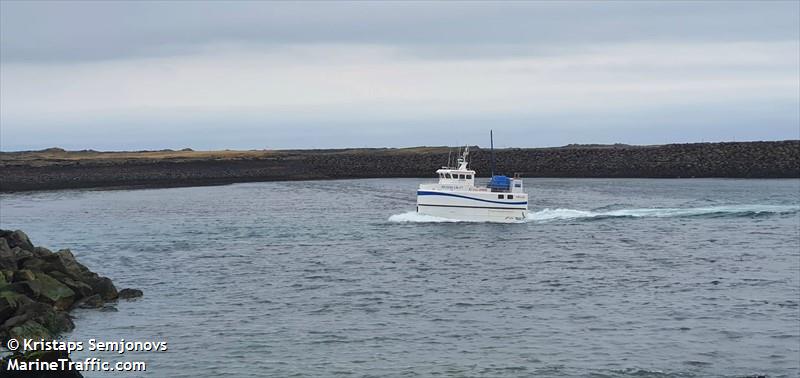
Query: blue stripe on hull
[425, 193]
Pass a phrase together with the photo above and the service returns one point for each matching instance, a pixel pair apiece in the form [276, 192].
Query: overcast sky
[215, 75]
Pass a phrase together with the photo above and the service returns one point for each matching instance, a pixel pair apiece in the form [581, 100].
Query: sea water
[616, 278]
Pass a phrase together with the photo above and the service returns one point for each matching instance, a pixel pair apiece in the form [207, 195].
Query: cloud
[153, 75]
[381, 81]
[80, 31]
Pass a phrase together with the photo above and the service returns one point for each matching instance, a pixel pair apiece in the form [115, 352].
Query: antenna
[491, 141]
[449, 151]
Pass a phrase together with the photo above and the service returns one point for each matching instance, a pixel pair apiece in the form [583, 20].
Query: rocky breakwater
[38, 288]
[58, 169]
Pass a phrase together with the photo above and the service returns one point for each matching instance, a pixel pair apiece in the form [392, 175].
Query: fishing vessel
[455, 196]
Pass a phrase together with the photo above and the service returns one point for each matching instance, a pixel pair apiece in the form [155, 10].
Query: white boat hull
[472, 206]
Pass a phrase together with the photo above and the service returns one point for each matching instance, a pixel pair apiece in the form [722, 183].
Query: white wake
[546, 215]
[731, 210]
[414, 217]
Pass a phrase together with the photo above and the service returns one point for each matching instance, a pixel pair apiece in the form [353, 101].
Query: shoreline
[38, 290]
[56, 169]
[215, 183]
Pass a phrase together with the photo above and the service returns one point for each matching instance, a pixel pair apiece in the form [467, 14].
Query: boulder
[8, 260]
[38, 286]
[8, 274]
[41, 252]
[128, 293]
[30, 330]
[64, 261]
[47, 289]
[26, 309]
[81, 289]
[17, 288]
[17, 239]
[20, 253]
[7, 308]
[16, 299]
[40, 314]
[56, 322]
[33, 263]
[45, 356]
[104, 287]
[24, 275]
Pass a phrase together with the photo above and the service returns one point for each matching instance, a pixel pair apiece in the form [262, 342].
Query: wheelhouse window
[500, 196]
[469, 177]
[510, 196]
[461, 177]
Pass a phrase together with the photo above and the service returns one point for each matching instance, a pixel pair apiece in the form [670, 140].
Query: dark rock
[16, 299]
[81, 289]
[20, 253]
[44, 356]
[33, 263]
[30, 329]
[7, 308]
[104, 287]
[37, 286]
[8, 260]
[41, 252]
[57, 322]
[24, 275]
[130, 293]
[27, 310]
[21, 287]
[17, 239]
[64, 261]
[30, 315]
[775, 159]
[47, 289]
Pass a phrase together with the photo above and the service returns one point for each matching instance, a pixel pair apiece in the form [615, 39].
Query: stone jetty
[56, 168]
[38, 288]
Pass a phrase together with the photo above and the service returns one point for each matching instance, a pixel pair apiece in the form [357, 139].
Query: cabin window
[461, 177]
[469, 177]
[500, 196]
[510, 196]
[517, 185]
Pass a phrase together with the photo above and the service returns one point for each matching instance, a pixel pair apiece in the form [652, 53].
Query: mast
[462, 160]
[491, 142]
[449, 151]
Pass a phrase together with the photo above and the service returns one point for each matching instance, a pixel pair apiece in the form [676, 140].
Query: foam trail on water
[546, 215]
[732, 210]
[414, 217]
